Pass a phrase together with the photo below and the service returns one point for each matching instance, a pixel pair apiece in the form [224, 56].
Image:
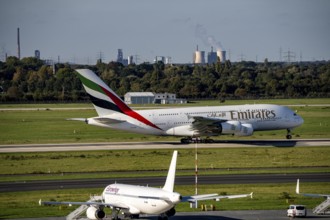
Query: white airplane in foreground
[240, 120]
[134, 200]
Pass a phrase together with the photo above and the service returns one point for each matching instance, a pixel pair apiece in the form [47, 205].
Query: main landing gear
[115, 213]
[189, 140]
[289, 135]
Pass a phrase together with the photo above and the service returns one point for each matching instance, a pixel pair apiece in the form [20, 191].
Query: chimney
[18, 45]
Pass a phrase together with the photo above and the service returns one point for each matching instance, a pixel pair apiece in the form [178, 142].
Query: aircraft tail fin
[169, 184]
[105, 100]
[297, 187]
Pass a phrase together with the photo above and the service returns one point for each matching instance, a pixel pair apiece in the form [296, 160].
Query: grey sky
[78, 30]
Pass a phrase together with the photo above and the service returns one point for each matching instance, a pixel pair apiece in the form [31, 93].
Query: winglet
[169, 184]
[251, 194]
[297, 187]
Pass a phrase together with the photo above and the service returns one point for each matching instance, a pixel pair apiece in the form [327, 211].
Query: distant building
[165, 60]
[120, 58]
[199, 57]
[139, 98]
[37, 54]
[212, 57]
[152, 98]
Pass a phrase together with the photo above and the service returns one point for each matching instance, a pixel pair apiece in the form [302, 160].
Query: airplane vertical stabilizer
[104, 99]
[297, 187]
[169, 184]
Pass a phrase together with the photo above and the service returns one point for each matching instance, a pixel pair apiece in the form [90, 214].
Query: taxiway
[160, 145]
[158, 181]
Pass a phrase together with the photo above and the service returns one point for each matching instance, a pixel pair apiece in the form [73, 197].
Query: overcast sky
[80, 30]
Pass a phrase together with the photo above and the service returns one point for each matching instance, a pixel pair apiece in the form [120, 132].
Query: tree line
[31, 80]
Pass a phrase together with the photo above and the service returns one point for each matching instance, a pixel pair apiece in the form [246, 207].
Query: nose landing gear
[289, 135]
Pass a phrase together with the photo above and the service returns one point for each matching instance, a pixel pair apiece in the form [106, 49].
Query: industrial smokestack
[222, 55]
[18, 45]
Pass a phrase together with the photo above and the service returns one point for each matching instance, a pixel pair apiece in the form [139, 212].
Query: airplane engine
[95, 213]
[170, 212]
[246, 130]
[230, 127]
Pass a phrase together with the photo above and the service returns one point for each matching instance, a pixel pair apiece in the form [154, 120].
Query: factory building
[152, 98]
[199, 57]
[222, 55]
[212, 57]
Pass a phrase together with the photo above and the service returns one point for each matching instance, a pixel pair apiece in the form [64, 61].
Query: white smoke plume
[208, 40]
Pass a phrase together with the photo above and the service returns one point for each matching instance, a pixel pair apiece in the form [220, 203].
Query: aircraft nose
[299, 120]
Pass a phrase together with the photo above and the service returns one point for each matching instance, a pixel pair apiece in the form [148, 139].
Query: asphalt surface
[159, 181]
[161, 145]
[224, 215]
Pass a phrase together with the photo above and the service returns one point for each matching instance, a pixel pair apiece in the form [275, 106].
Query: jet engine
[95, 213]
[230, 127]
[236, 128]
[246, 130]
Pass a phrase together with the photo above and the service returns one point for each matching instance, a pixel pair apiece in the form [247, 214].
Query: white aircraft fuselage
[178, 121]
[139, 199]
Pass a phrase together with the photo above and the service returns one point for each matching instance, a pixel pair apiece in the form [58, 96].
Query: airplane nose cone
[299, 120]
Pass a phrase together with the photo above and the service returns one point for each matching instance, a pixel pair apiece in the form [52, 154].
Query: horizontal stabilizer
[77, 119]
[108, 121]
[214, 197]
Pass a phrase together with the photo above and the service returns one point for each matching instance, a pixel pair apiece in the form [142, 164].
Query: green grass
[50, 126]
[266, 196]
[192, 103]
[121, 163]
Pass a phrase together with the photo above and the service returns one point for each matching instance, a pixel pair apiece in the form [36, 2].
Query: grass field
[266, 196]
[50, 126]
[222, 160]
[123, 162]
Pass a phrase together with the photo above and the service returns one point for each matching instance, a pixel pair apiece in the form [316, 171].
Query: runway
[161, 145]
[159, 181]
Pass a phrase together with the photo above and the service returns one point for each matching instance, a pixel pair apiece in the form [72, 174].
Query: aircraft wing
[88, 203]
[316, 195]
[213, 197]
[206, 126]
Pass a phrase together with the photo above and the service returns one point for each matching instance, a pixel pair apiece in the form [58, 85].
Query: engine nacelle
[231, 127]
[184, 130]
[246, 130]
[95, 213]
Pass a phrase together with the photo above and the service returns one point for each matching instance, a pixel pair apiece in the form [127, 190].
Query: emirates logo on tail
[105, 100]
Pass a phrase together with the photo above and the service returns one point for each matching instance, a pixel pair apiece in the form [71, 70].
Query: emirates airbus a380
[190, 122]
